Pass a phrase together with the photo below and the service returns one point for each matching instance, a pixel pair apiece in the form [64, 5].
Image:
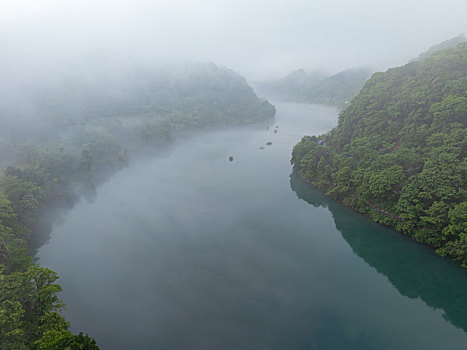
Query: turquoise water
[192, 251]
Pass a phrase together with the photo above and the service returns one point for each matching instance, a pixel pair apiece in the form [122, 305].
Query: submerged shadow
[413, 269]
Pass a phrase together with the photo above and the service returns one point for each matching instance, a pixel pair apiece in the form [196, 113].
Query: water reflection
[415, 270]
[54, 212]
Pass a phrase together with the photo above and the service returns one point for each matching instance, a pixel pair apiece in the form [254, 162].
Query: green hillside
[398, 152]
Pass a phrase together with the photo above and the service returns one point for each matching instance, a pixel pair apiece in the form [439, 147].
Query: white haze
[258, 38]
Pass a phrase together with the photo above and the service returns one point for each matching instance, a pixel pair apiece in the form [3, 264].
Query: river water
[193, 251]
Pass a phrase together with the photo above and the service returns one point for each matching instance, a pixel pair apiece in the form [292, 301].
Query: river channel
[193, 251]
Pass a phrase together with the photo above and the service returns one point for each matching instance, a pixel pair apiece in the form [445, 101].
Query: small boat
[230, 158]
[262, 147]
[269, 143]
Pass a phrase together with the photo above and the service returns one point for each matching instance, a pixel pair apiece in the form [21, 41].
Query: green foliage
[25, 198]
[29, 304]
[29, 316]
[398, 152]
[11, 332]
[65, 340]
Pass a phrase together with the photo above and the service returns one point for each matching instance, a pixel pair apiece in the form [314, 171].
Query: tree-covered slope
[398, 152]
[30, 310]
[203, 93]
[134, 108]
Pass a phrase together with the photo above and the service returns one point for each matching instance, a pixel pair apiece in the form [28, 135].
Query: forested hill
[202, 92]
[133, 108]
[398, 152]
[334, 90]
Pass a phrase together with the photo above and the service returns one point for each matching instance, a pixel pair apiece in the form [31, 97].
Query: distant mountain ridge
[447, 44]
[316, 87]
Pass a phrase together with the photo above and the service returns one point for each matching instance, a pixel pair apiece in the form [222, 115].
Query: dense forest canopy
[133, 108]
[398, 152]
[84, 129]
[299, 86]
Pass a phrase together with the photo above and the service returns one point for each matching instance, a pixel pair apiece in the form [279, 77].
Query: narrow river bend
[192, 251]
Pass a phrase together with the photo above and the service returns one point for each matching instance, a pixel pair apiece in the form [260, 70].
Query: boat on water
[269, 143]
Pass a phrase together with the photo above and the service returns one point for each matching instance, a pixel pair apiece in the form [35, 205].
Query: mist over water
[193, 251]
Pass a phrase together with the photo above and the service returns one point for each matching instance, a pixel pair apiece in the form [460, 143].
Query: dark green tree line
[398, 152]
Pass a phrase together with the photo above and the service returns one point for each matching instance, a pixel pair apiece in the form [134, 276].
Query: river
[193, 251]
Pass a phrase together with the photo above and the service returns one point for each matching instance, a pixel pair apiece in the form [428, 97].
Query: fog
[259, 39]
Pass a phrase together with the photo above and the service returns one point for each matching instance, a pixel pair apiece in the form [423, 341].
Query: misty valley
[182, 208]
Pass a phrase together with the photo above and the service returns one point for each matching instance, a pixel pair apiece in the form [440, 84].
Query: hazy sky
[257, 38]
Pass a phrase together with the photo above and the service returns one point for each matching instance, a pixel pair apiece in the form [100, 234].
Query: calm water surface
[191, 251]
